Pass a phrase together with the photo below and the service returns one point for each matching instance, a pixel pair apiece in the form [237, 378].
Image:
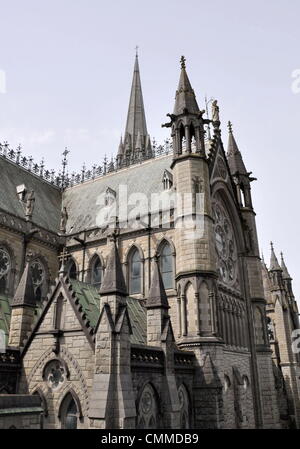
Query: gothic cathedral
[133, 295]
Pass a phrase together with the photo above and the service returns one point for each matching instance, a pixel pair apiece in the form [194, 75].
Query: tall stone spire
[24, 295]
[274, 265]
[235, 160]
[285, 273]
[136, 119]
[157, 295]
[113, 281]
[185, 98]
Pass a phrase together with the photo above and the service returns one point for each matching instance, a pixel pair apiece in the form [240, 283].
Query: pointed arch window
[148, 416]
[72, 270]
[166, 266]
[96, 272]
[70, 412]
[38, 278]
[5, 267]
[135, 272]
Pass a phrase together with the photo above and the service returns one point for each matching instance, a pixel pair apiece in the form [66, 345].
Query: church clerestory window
[135, 272]
[166, 266]
[96, 273]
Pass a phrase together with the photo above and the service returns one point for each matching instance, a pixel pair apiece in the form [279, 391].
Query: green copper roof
[89, 299]
[5, 312]
[138, 319]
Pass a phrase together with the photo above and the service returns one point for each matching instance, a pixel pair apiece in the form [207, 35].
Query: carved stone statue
[29, 205]
[63, 220]
[215, 111]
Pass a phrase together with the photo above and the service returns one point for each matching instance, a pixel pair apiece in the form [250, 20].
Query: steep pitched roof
[185, 96]
[78, 199]
[47, 207]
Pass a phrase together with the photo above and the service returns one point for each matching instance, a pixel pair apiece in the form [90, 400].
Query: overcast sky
[66, 69]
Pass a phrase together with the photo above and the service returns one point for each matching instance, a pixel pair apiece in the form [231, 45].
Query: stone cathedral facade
[118, 315]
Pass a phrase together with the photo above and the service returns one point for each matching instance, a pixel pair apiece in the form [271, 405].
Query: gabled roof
[85, 300]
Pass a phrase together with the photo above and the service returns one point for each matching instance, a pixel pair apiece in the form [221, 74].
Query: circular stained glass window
[4, 262]
[37, 273]
[55, 374]
[225, 244]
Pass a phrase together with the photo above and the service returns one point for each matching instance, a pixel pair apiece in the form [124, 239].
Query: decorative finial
[230, 127]
[136, 51]
[272, 246]
[182, 62]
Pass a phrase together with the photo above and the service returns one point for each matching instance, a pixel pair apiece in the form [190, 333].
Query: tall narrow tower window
[166, 266]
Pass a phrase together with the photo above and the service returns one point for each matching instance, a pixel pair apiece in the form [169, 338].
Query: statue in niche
[29, 205]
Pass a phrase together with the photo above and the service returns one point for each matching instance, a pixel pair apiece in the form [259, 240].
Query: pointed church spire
[136, 119]
[285, 273]
[157, 295]
[121, 148]
[235, 160]
[274, 265]
[24, 295]
[185, 96]
[113, 281]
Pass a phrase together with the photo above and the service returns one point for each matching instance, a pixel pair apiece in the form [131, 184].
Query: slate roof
[81, 200]
[47, 197]
[89, 299]
[5, 313]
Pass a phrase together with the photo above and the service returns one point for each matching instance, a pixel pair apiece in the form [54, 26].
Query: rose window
[55, 374]
[37, 273]
[4, 262]
[225, 245]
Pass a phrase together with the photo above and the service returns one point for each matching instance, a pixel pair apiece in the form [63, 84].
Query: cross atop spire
[182, 62]
[136, 119]
[185, 99]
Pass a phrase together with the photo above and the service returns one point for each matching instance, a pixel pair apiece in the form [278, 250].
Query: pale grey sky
[68, 67]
